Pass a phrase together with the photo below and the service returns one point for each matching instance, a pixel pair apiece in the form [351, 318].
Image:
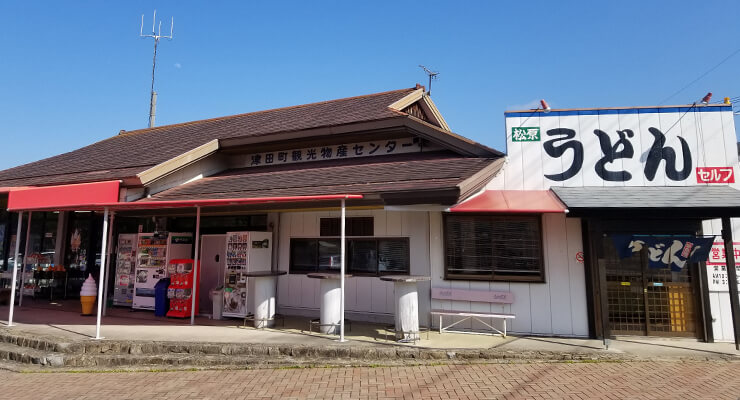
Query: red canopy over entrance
[63, 196]
[98, 196]
[512, 201]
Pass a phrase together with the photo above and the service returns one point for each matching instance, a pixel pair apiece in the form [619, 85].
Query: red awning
[512, 201]
[8, 189]
[16, 203]
[63, 196]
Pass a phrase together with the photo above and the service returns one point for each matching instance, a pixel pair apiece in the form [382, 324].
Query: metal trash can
[161, 302]
[217, 297]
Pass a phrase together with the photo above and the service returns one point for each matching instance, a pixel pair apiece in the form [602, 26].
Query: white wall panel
[309, 292]
[378, 295]
[631, 121]
[577, 278]
[588, 124]
[540, 292]
[609, 124]
[522, 308]
[379, 217]
[393, 224]
[569, 122]
[711, 123]
[532, 153]
[436, 251]
[648, 120]
[558, 275]
[364, 293]
[688, 125]
[515, 164]
[350, 294]
[499, 181]
[729, 138]
[671, 127]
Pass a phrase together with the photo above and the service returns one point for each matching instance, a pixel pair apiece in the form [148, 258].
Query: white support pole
[101, 278]
[195, 265]
[15, 267]
[25, 257]
[107, 261]
[341, 275]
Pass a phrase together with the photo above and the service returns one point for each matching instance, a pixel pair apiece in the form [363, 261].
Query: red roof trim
[512, 202]
[62, 196]
[150, 205]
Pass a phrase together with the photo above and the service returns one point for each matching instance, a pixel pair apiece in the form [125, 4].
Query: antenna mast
[432, 76]
[156, 35]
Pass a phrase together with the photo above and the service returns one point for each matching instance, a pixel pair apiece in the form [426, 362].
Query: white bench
[484, 296]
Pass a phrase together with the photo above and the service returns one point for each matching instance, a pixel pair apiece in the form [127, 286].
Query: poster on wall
[717, 267]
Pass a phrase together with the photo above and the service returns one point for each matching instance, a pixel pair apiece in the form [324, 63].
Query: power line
[700, 76]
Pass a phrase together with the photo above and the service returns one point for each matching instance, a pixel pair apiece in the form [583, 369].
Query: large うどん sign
[670, 146]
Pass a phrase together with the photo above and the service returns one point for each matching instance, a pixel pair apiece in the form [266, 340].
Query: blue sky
[75, 72]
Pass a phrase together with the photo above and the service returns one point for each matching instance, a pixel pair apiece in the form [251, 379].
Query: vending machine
[181, 289]
[153, 255]
[245, 251]
[123, 289]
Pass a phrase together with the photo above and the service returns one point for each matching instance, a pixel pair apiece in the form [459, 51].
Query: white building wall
[556, 307]
[366, 298]
[712, 142]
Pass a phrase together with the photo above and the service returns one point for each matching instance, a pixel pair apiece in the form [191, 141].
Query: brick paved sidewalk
[640, 380]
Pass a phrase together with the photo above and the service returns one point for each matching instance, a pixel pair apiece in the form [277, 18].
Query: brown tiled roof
[382, 175]
[126, 154]
[61, 179]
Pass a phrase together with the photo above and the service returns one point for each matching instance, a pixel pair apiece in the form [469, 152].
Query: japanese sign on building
[340, 151]
[672, 252]
[715, 175]
[634, 147]
[717, 267]
[525, 134]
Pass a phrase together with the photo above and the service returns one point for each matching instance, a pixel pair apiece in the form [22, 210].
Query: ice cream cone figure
[88, 293]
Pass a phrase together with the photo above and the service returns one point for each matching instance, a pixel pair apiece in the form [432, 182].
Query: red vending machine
[181, 288]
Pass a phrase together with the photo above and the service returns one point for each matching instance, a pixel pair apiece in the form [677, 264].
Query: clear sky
[75, 72]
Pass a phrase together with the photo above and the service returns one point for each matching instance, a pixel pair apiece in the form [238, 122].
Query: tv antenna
[156, 35]
[432, 76]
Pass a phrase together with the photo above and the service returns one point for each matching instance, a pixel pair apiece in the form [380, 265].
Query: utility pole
[156, 35]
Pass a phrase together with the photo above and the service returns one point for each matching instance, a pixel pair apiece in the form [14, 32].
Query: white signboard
[717, 268]
[340, 151]
[670, 146]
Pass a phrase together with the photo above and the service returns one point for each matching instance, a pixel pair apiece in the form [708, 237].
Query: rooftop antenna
[156, 35]
[432, 76]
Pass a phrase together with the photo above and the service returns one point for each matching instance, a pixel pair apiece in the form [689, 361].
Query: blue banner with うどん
[665, 251]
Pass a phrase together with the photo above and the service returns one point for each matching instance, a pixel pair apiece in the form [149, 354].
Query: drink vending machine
[182, 288]
[123, 290]
[245, 251]
[155, 251]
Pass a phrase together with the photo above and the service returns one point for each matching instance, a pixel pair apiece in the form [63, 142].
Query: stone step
[32, 341]
[26, 355]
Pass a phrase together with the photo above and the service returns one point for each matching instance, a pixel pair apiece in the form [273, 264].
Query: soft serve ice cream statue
[87, 295]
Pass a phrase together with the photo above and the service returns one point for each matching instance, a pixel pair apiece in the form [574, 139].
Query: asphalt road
[637, 380]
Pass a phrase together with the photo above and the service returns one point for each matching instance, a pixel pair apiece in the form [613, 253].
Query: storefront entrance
[648, 301]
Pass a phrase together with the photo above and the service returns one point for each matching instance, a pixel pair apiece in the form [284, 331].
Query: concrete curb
[47, 352]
